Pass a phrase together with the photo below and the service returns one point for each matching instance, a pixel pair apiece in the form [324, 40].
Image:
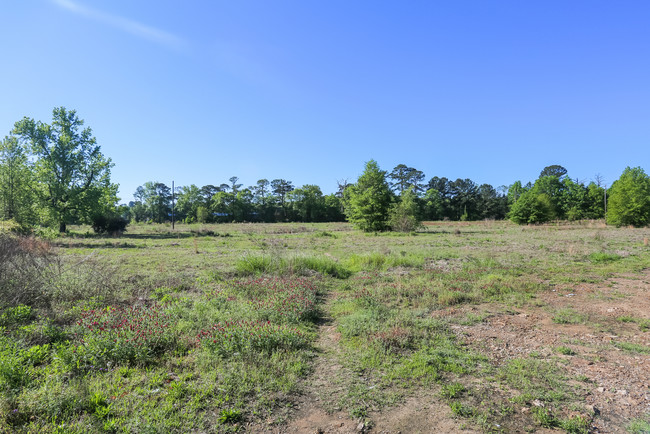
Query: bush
[24, 270]
[109, 224]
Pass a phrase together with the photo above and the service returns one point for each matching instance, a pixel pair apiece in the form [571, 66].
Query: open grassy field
[474, 327]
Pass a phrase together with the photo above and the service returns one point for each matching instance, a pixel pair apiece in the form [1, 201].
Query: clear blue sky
[308, 90]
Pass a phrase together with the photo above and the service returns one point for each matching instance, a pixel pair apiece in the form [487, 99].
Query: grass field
[483, 327]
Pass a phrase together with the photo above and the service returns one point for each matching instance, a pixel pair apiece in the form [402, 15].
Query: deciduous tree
[70, 168]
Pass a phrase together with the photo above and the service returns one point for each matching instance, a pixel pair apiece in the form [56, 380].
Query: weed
[452, 390]
[118, 335]
[544, 417]
[575, 424]
[229, 415]
[603, 258]
[632, 347]
[248, 337]
[565, 350]
[461, 410]
[639, 425]
[569, 316]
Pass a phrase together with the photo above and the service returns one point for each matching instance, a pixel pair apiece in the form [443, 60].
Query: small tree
[629, 199]
[368, 201]
[405, 214]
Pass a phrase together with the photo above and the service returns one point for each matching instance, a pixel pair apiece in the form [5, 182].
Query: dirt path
[319, 412]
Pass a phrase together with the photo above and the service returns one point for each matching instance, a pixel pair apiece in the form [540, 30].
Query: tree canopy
[629, 199]
[73, 175]
[368, 201]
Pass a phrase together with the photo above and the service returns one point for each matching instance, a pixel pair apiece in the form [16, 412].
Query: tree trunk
[62, 227]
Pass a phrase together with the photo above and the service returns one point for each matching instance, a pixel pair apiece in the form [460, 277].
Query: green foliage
[639, 425]
[553, 170]
[367, 202]
[229, 415]
[565, 351]
[631, 347]
[452, 390]
[251, 264]
[73, 176]
[404, 178]
[13, 316]
[112, 335]
[629, 199]
[16, 184]
[308, 203]
[405, 214]
[569, 316]
[246, 338]
[603, 258]
[111, 224]
[531, 207]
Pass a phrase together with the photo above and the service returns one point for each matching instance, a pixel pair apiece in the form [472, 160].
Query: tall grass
[251, 264]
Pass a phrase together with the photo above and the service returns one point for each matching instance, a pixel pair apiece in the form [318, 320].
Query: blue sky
[199, 91]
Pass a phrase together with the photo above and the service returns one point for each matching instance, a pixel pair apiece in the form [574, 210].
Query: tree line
[55, 175]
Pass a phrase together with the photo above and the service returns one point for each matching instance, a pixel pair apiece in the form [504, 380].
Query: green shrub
[16, 315]
[103, 224]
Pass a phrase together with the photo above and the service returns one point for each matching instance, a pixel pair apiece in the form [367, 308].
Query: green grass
[644, 324]
[631, 347]
[569, 316]
[639, 425]
[231, 314]
[601, 257]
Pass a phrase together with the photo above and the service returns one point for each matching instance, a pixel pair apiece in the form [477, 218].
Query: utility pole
[173, 193]
[605, 195]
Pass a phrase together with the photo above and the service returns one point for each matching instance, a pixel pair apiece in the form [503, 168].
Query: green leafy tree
[16, 183]
[628, 200]
[222, 206]
[308, 203]
[464, 199]
[532, 207]
[69, 167]
[433, 205]
[158, 200]
[595, 201]
[515, 191]
[189, 199]
[405, 214]
[367, 202]
[334, 208]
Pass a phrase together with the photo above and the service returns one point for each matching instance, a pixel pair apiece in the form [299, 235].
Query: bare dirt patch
[589, 342]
